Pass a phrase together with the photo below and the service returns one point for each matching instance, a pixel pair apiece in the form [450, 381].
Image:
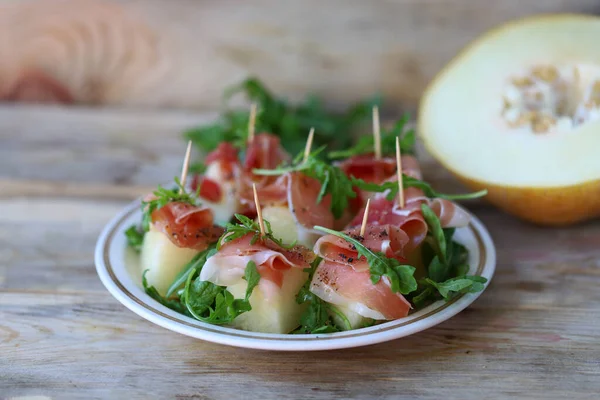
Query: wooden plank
[109, 147]
[103, 349]
[533, 333]
[183, 53]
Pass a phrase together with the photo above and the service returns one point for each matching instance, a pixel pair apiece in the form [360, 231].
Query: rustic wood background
[182, 53]
[64, 172]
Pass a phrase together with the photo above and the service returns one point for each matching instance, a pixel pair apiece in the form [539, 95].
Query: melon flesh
[274, 309]
[544, 176]
[163, 260]
[286, 228]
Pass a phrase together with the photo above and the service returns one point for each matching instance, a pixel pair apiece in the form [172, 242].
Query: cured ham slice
[387, 239]
[410, 218]
[343, 278]
[264, 152]
[371, 170]
[282, 271]
[227, 156]
[342, 285]
[292, 201]
[218, 187]
[228, 265]
[186, 226]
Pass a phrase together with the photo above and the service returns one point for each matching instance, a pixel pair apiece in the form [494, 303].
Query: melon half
[518, 113]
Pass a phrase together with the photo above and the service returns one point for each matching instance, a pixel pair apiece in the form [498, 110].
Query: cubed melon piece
[274, 309]
[163, 260]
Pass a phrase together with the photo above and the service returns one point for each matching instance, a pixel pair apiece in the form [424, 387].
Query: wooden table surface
[534, 333]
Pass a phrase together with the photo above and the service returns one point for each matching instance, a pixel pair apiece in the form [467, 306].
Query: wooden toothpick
[251, 122]
[186, 165]
[399, 173]
[376, 133]
[363, 226]
[311, 135]
[261, 222]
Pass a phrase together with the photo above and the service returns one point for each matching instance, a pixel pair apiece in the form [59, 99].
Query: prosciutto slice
[342, 285]
[410, 218]
[264, 152]
[387, 239]
[342, 278]
[223, 168]
[371, 170]
[228, 265]
[186, 226]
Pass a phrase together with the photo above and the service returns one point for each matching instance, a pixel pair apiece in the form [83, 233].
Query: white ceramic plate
[119, 270]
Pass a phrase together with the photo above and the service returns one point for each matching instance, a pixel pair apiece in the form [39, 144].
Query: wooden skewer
[261, 222]
[251, 123]
[376, 133]
[311, 135]
[186, 165]
[363, 226]
[399, 174]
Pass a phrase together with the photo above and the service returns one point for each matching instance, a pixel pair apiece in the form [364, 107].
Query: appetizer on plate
[315, 244]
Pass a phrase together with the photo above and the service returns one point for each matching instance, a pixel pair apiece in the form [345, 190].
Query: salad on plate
[323, 241]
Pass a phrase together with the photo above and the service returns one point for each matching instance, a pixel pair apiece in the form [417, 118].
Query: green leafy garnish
[251, 276]
[135, 237]
[333, 180]
[278, 116]
[435, 231]
[214, 304]
[388, 142]
[317, 316]
[152, 292]
[162, 197]
[409, 181]
[459, 284]
[195, 264]
[446, 263]
[247, 226]
[400, 275]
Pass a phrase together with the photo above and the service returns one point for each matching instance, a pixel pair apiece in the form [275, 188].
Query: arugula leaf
[435, 231]
[409, 181]
[214, 304]
[278, 116]
[135, 238]
[426, 295]
[247, 226]
[333, 180]
[459, 284]
[447, 268]
[190, 268]
[200, 296]
[400, 275]
[388, 142]
[152, 292]
[251, 276]
[437, 270]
